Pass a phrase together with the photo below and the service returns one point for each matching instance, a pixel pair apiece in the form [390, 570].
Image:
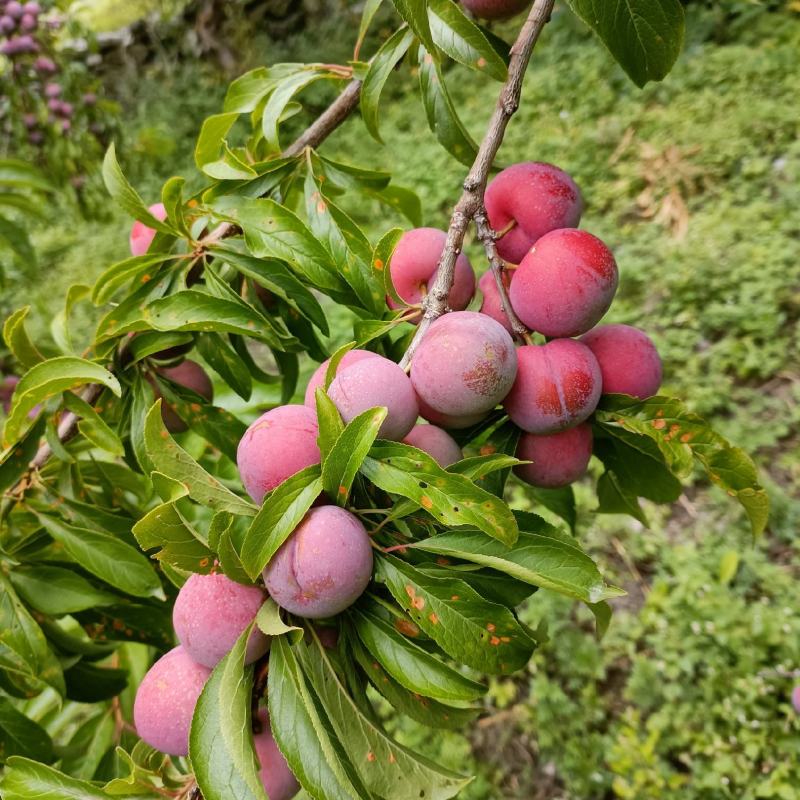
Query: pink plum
[495, 9]
[141, 235]
[211, 612]
[278, 444]
[565, 284]
[190, 375]
[372, 382]
[558, 385]
[317, 380]
[492, 305]
[165, 701]
[557, 459]
[537, 198]
[323, 567]
[629, 361]
[436, 443]
[278, 781]
[465, 365]
[414, 268]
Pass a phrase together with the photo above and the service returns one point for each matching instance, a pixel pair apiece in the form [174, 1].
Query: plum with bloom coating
[317, 380]
[211, 612]
[278, 444]
[278, 780]
[165, 701]
[465, 364]
[323, 567]
[437, 443]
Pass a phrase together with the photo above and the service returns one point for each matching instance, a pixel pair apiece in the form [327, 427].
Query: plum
[557, 459]
[436, 443]
[317, 380]
[141, 235]
[278, 780]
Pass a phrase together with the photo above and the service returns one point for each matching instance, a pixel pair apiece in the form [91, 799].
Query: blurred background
[695, 183]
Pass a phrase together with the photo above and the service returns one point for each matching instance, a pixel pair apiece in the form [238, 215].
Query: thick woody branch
[487, 238]
[471, 201]
[330, 119]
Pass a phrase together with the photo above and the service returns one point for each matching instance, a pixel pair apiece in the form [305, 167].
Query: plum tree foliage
[225, 594]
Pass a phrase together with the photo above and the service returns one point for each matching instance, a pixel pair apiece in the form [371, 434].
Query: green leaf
[681, 435]
[274, 275]
[415, 14]
[126, 196]
[273, 231]
[21, 736]
[47, 379]
[728, 566]
[452, 500]
[138, 268]
[462, 40]
[106, 557]
[17, 239]
[283, 92]
[93, 426]
[172, 200]
[171, 459]
[411, 666]
[269, 621]
[443, 118]
[490, 584]
[381, 67]
[56, 591]
[211, 145]
[483, 635]
[281, 512]
[370, 9]
[245, 93]
[560, 501]
[403, 200]
[16, 459]
[25, 779]
[226, 362]
[26, 660]
[348, 453]
[304, 736]
[613, 498]
[221, 738]
[422, 709]
[644, 36]
[19, 343]
[538, 559]
[88, 683]
[60, 324]
[386, 767]
[86, 749]
[23, 175]
[329, 421]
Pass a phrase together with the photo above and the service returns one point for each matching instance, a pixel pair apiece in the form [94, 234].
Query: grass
[695, 183]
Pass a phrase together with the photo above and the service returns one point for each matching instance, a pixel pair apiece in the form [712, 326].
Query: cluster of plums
[210, 613]
[562, 282]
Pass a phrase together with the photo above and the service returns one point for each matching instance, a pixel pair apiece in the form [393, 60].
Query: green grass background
[695, 184]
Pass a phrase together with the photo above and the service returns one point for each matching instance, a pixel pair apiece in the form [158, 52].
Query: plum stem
[471, 201]
[488, 238]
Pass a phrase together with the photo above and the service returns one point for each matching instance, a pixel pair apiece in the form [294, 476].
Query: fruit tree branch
[471, 201]
[312, 136]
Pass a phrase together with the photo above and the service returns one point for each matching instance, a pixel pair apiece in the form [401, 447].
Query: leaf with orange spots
[681, 436]
[463, 628]
[424, 710]
[387, 768]
[451, 499]
[410, 665]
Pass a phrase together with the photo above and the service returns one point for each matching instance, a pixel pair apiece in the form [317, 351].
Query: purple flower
[52, 90]
[15, 9]
[27, 23]
[45, 65]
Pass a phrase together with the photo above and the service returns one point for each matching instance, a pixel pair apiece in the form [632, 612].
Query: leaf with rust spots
[462, 627]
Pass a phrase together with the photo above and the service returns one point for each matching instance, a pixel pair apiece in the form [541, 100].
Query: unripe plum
[565, 284]
[495, 9]
[211, 612]
[278, 780]
[165, 701]
[372, 382]
[141, 235]
[414, 268]
[464, 365]
[278, 444]
[436, 443]
[323, 567]
[492, 305]
[538, 198]
[192, 376]
[557, 459]
[317, 380]
[629, 361]
[558, 385]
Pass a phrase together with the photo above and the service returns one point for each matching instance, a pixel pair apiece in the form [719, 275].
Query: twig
[488, 238]
[312, 136]
[435, 303]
